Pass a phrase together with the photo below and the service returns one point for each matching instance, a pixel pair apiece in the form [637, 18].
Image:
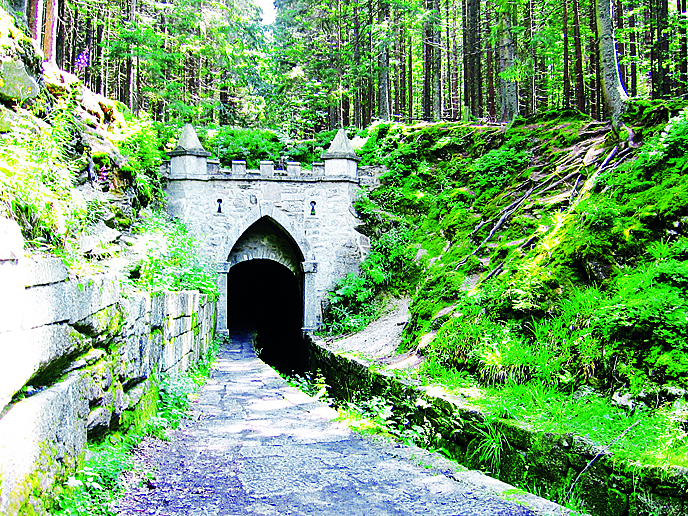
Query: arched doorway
[265, 293]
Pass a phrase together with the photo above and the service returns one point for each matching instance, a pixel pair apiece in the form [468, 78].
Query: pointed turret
[341, 148]
[341, 159]
[189, 144]
[189, 160]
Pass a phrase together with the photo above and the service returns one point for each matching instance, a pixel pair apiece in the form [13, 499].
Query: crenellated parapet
[189, 160]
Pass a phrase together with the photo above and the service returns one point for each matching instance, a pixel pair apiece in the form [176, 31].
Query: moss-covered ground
[546, 262]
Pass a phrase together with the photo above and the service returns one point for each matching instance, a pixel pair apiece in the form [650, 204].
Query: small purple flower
[82, 60]
[103, 174]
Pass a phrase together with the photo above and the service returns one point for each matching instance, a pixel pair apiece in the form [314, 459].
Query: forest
[323, 65]
[532, 198]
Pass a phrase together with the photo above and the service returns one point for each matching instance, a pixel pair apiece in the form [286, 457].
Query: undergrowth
[172, 260]
[570, 289]
[37, 174]
[373, 415]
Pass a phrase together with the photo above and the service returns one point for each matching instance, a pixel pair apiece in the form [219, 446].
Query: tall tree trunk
[454, 69]
[130, 78]
[34, 18]
[447, 88]
[633, 50]
[478, 61]
[620, 47]
[402, 72]
[466, 56]
[491, 110]
[471, 73]
[88, 52]
[397, 58]
[509, 88]
[528, 100]
[652, 43]
[370, 104]
[567, 79]
[436, 62]
[383, 84]
[427, 62]
[663, 47]
[60, 31]
[614, 91]
[594, 64]
[578, 65]
[683, 56]
[73, 39]
[50, 30]
[100, 59]
[410, 77]
[358, 122]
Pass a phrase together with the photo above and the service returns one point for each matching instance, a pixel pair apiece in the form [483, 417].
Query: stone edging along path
[255, 445]
[549, 461]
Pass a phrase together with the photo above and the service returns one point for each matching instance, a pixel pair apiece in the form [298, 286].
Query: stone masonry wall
[78, 358]
[313, 206]
[328, 240]
[546, 461]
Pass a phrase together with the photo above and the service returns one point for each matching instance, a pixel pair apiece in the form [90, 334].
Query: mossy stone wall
[80, 357]
[543, 462]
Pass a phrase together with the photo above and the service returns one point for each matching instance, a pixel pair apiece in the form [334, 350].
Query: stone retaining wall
[77, 358]
[544, 461]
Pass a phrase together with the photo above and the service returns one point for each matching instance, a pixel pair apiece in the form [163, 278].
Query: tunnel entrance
[266, 297]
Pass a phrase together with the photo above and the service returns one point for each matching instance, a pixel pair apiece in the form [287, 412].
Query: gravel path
[256, 446]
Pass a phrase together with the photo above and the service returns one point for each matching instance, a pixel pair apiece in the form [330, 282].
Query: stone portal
[301, 218]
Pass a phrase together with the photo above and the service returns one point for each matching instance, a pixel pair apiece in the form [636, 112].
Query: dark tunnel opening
[266, 297]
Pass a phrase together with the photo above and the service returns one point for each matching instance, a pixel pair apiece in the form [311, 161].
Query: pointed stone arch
[265, 210]
[265, 233]
[266, 239]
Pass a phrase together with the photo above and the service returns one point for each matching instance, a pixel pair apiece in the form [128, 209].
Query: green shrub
[251, 145]
[497, 168]
[91, 490]
[140, 144]
[37, 173]
[173, 261]
[388, 266]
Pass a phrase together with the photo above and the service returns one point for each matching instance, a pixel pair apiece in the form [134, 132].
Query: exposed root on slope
[574, 197]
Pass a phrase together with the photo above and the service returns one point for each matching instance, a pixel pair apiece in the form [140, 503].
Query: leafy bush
[173, 260]
[670, 144]
[496, 168]
[251, 145]
[389, 265]
[140, 144]
[91, 490]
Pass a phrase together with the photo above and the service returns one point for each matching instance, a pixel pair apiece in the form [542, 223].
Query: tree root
[505, 214]
[562, 180]
[575, 187]
[497, 270]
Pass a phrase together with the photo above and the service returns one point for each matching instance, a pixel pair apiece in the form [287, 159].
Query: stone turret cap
[189, 144]
[341, 148]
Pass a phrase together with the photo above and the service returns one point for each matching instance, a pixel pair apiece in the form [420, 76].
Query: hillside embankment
[89, 324]
[565, 467]
[545, 262]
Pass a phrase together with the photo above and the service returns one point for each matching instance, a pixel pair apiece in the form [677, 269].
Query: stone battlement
[189, 160]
